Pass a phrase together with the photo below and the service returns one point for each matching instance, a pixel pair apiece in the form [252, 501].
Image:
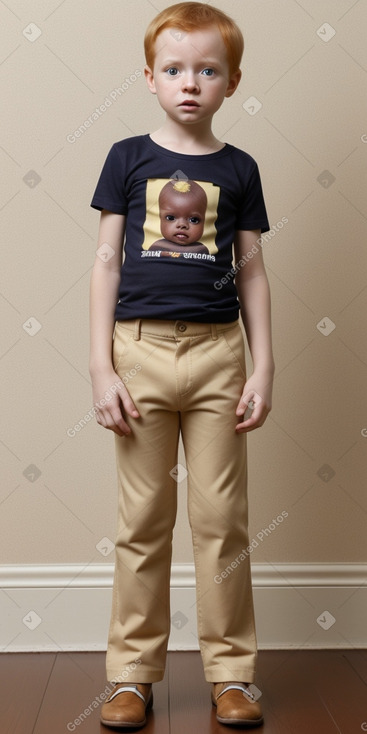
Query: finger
[247, 426]
[129, 405]
[100, 418]
[249, 399]
[240, 407]
[112, 418]
[257, 418]
[118, 423]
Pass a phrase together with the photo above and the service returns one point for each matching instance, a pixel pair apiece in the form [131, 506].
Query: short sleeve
[252, 212]
[110, 191]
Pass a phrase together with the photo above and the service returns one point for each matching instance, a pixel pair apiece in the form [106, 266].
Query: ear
[233, 83]
[149, 78]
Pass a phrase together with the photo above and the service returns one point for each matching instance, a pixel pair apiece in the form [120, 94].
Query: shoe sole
[123, 724]
[240, 722]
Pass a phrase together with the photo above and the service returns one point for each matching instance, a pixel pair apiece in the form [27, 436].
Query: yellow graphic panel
[181, 216]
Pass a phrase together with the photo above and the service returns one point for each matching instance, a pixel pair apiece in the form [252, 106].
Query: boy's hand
[112, 401]
[256, 397]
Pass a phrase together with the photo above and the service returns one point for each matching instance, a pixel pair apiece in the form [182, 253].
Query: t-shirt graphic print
[180, 219]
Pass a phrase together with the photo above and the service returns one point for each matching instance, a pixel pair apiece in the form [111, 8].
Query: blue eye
[208, 72]
[172, 71]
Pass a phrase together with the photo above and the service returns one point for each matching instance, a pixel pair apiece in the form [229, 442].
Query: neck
[195, 139]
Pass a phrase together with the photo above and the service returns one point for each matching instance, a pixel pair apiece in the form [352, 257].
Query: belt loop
[214, 332]
[137, 329]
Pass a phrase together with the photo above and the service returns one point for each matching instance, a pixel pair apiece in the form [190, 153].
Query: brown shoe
[126, 705]
[236, 705]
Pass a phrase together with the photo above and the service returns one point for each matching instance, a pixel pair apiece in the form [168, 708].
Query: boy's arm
[254, 296]
[104, 288]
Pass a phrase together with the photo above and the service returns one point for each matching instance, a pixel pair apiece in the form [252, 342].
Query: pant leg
[218, 513]
[202, 378]
[140, 618]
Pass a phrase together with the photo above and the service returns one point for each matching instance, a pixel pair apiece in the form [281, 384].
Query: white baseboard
[67, 607]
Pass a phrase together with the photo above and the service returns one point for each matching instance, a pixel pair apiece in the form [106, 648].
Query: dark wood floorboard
[77, 678]
[311, 691]
[190, 705]
[357, 660]
[303, 692]
[23, 681]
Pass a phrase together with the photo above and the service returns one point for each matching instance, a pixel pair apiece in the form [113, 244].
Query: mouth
[189, 103]
[180, 236]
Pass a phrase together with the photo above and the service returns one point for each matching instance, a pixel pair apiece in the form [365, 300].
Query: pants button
[181, 327]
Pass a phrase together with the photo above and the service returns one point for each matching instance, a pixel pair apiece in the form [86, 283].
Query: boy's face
[181, 220]
[190, 75]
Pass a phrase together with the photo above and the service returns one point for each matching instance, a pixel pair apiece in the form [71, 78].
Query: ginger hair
[191, 16]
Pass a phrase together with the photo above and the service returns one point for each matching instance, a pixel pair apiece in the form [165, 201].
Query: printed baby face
[182, 207]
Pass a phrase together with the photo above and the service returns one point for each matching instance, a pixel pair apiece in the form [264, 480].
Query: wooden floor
[303, 692]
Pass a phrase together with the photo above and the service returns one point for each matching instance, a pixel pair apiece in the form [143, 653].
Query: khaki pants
[186, 378]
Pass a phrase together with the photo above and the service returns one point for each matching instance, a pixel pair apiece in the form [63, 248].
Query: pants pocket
[121, 345]
[233, 339]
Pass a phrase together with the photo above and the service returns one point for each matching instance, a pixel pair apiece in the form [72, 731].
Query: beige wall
[312, 120]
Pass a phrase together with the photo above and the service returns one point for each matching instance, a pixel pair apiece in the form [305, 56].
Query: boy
[167, 316]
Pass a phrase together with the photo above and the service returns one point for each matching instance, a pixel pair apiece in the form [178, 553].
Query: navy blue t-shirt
[182, 212]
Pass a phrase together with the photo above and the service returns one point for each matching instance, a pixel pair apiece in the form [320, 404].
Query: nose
[182, 223]
[189, 82]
